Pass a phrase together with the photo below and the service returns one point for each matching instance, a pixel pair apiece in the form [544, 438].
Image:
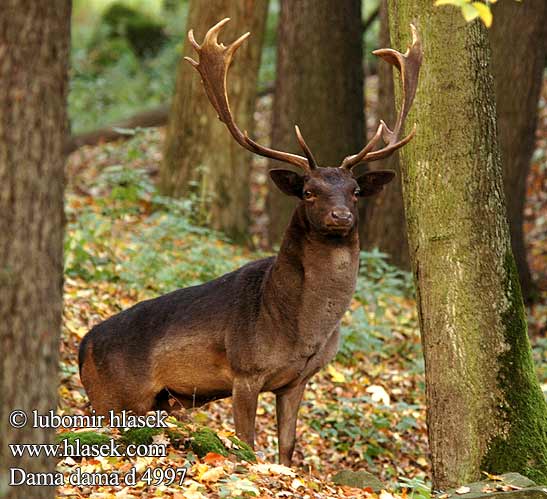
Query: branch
[153, 117]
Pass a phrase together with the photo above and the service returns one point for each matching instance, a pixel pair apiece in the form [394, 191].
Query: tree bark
[319, 86]
[485, 409]
[382, 216]
[198, 148]
[518, 59]
[34, 44]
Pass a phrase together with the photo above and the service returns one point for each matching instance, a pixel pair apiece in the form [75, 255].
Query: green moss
[84, 437]
[524, 448]
[242, 450]
[179, 434]
[205, 440]
[140, 436]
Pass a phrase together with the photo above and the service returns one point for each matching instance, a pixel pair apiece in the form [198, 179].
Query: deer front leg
[287, 405]
[244, 401]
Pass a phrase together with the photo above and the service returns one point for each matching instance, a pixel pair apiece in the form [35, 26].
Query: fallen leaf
[212, 458]
[213, 474]
[463, 490]
[379, 394]
[272, 469]
[335, 375]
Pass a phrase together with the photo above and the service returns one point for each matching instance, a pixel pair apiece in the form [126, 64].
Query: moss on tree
[524, 447]
[485, 409]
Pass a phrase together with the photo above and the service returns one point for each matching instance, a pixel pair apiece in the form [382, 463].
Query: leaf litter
[366, 410]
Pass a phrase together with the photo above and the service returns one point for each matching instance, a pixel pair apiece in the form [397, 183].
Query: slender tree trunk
[383, 217]
[319, 86]
[34, 42]
[485, 409]
[518, 59]
[200, 156]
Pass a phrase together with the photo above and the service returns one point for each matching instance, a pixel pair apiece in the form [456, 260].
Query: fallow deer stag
[271, 324]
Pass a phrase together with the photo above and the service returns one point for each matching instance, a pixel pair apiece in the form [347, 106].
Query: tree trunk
[518, 59]
[199, 150]
[34, 43]
[319, 86]
[485, 409]
[382, 216]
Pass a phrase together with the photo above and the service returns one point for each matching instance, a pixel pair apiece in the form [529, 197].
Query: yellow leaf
[213, 474]
[272, 469]
[484, 13]
[335, 375]
[469, 12]
[297, 483]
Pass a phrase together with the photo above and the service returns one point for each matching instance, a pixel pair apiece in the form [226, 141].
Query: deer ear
[288, 182]
[373, 182]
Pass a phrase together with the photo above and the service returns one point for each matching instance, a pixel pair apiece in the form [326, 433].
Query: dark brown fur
[268, 326]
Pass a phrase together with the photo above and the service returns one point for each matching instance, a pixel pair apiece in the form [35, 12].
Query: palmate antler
[215, 59]
[408, 65]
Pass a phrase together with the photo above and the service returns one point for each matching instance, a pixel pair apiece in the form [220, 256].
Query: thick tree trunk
[518, 59]
[518, 62]
[34, 42]
[485, 408]
[198, 148]
[382, 216]
[319, 87]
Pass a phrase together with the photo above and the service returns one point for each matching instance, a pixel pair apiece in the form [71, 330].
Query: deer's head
[328, 194]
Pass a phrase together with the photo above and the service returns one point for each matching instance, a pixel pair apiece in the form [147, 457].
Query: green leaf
[484, 13]
[469, 12]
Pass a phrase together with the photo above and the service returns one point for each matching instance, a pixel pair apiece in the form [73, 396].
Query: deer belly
[194, 370]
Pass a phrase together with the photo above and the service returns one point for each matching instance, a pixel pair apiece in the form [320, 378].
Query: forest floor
[366, 411]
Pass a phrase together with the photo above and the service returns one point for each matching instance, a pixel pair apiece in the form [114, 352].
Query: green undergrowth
[123, 66]
[129, 234]
[384, 292]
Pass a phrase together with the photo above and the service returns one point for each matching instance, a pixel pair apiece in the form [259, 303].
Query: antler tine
[307, 151]
[214, 61]
[408, 65]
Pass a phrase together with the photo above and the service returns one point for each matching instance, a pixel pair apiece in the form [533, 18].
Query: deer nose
[342, 215]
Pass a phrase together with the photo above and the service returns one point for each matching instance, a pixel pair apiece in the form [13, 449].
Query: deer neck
[312, 281]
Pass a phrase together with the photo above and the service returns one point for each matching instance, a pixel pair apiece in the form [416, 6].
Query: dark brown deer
[273, 323]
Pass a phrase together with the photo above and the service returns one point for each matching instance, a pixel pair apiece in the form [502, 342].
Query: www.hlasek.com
[76, 448]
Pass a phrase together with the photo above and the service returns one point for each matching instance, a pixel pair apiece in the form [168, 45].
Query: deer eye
[357, 191]
[308, 195]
